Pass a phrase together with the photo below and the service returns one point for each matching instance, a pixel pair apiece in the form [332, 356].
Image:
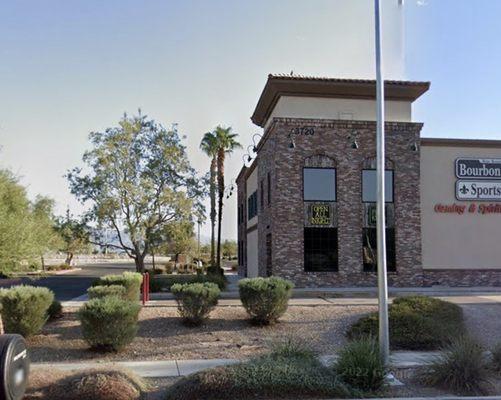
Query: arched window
[320, 231]
[369, 234]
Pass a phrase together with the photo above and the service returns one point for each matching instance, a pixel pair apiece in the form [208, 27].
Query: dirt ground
[227, 334]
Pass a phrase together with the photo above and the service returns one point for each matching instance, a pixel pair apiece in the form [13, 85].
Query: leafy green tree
[140, 179]
[75, 236]
[227, 143]
[229, 248]
[179, 238]
[209, 146]
[26, 229]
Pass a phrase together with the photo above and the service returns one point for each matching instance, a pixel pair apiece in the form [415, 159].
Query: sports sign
[478, 190]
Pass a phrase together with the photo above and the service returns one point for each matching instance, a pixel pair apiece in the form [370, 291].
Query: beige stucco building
[306, 202]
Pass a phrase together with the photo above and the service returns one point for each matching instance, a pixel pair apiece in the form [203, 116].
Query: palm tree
[226, 143]
[209, 146]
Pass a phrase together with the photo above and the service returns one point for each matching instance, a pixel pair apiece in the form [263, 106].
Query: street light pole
[384, 342]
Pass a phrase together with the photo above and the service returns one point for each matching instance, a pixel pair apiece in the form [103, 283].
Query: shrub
[361, 366]
[130, 280]
[55, 310]
[109, 323]
[460, 367]
[97, 384]
[98, 292]
[298, 373]
[59, 267]
[195, 300]
[165, 282]
[496, 357]
[24, 309]
[416, 323]
[265, 299]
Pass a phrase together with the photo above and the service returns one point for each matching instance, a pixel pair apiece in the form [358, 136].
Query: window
[319, 184]
[252, 206]
[369, 186]
[320, 249]
[268, 254]
[269, 188]
[241, 218]
[262, 194]
[370, 249]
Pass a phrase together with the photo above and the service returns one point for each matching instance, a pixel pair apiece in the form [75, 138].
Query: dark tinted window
[320, 249]
[369, 186]
[319, 184]
[370, 249]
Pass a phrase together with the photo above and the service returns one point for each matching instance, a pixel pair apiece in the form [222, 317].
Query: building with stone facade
[306, 203]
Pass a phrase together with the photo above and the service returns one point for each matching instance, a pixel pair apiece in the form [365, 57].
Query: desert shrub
[461, 367]
[416, 323]
[284, 374]
[98, 292]
[130, 280]
[195, 300]
[361, 366]
[24, 309]
[97, 384]
[109, 323]
[265, 299]
[59, 267]
[496, 357]
[159, 283]
[55, 310]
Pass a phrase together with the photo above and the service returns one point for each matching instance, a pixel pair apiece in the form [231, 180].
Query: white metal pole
[384, 342]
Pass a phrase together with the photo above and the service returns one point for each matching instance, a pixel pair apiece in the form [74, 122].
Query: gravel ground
[483, 321]
[227, 334]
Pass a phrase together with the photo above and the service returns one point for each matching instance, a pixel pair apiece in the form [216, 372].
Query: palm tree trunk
[220, 181]
[213, 177]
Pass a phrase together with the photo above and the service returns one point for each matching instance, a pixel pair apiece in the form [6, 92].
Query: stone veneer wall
[285, 218]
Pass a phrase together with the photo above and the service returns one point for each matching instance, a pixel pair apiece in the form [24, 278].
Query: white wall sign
[478, 190]
[478, 168]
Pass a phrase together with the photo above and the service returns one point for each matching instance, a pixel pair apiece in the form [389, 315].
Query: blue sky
[72, 66]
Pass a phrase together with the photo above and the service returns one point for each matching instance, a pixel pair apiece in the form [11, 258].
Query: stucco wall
[450, 240]
[332, 108]
[252, 254]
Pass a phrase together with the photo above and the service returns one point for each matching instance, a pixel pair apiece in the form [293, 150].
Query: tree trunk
[43, 263]
[213, 177]
[153, 259]
[69, 258]
[220, 179]
[139, 261]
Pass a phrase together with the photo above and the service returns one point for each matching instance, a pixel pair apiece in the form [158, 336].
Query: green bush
[361, 366]
[265, 299]
[98, 292]
[24, 309]
[195, 300]
[461, 367]
[159, 283]
[297, 373]
[131, 281]
[109, 323]
[416, 323]
[55, 310]
[496, 357]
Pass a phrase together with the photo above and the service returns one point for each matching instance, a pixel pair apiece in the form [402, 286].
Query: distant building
[306, 204]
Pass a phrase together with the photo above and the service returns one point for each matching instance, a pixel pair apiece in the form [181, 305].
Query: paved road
[74, 284]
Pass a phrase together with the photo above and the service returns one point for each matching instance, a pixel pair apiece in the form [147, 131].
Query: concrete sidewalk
[168, 301]
[176, 368]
